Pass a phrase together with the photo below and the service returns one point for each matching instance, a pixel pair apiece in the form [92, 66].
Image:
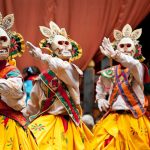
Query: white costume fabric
[12, 93]
[14, 132]
[55, 97]
[125, 125]
[105, 85]
[69, 73]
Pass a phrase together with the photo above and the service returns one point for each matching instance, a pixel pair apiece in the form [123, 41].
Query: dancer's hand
[107, 48]
[103, 105]
[34, 51]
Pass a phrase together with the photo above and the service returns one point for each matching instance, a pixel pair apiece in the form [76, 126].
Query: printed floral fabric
[57, 133]
[122, 132]
[14, 137]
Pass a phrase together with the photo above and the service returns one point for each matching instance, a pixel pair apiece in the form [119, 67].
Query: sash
[6, 70]
[58, 89]
[123, 87]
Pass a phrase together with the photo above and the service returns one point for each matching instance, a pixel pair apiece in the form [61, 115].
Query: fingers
[104, 51]
[100, 109]
[30, 45]
[101, 48]
[105, 109]
[31, 52]
[105, 41]
[103, 105]
[106, 105]
[105, 44]
[109, 41]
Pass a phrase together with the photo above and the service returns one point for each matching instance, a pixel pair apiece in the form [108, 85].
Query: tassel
[12, 62]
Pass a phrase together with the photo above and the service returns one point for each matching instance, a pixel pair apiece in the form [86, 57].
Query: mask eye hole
[121, 45]
[128, 45]
[66, 42]
[3, 38]
[60, 42]
[48, 45]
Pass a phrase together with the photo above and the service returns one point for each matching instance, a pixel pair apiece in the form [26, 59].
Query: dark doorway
[145, 38]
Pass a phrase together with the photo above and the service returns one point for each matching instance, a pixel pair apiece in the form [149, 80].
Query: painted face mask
[4, 45]
[126, 46]
[62, 47]
[126, 41]
[59, 44]
[11, 43]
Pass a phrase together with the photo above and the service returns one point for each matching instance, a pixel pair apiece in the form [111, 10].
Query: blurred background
[86, 22]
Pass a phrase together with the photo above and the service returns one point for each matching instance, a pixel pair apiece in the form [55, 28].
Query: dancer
[125, 125]
[14, 133]
[55, 97]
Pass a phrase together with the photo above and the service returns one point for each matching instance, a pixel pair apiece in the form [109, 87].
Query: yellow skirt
[122, 132]
[54, 133]
[14, 137]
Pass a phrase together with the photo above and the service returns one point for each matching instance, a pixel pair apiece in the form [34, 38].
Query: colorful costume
[125, 125]
[55, 97]
[13, 126]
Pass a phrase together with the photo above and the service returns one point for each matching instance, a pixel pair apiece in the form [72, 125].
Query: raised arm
[134, 65]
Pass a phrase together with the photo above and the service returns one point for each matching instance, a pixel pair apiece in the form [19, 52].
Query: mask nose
[125, 48]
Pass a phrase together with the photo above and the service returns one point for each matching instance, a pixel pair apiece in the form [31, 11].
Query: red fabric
[86, 21]
[33, 77]
[2, 64]
[63, 93]
[146, 74]
[65, 123]
[107, 141]
[12, 114]
[47, 103]
[5, 121]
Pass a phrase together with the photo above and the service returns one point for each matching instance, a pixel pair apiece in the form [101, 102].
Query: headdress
[133, 35]
[54, 30]
[17, 45]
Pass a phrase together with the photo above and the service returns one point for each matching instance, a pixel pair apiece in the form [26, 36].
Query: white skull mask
[126, 46]
[127, 39]
[61, 47]
[4, 44]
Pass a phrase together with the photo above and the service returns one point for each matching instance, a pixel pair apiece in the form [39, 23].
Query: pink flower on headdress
[138, 51]
[13, 45]
[73, 51]
[138, 55]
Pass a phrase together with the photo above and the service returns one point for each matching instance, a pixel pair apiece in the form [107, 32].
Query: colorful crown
[127, 32]
[17, 44]
[133, 35]
[51, 32]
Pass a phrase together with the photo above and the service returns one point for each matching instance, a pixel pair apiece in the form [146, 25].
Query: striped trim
[68, 101]
[6, 70]
[128, 94]
[62, 94]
